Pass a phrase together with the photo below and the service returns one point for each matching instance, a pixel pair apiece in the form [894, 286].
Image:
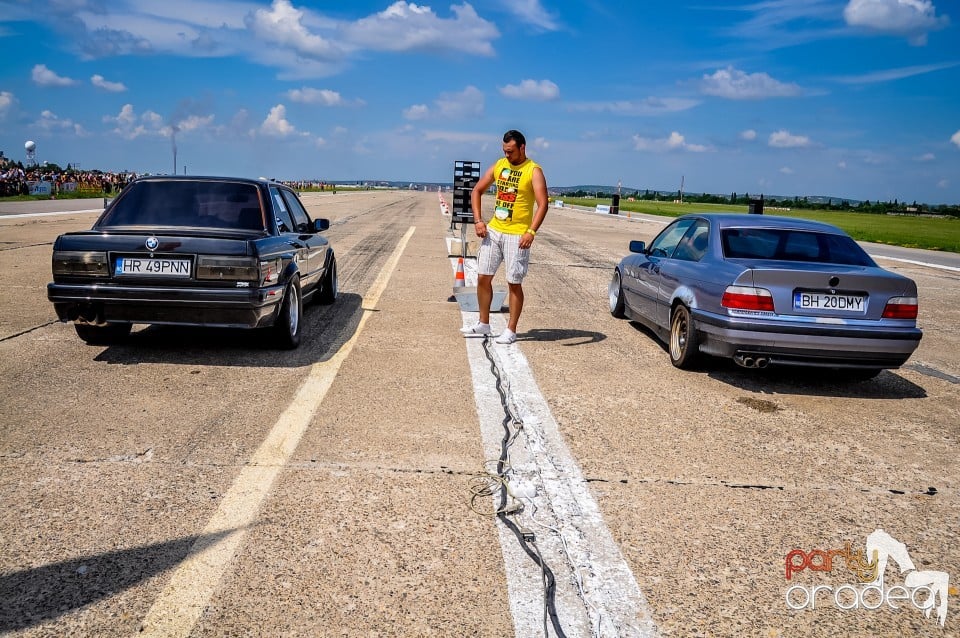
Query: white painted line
[181, 603]
[918, 263]
[596, 593]
[64, 212]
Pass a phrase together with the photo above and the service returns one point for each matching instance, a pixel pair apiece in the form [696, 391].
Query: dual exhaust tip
[87, 314]
[751, 361]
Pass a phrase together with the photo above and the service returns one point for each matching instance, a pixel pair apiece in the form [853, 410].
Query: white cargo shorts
[499, 247]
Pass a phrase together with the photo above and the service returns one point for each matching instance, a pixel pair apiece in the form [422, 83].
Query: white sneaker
[507, 336]
[476, 329]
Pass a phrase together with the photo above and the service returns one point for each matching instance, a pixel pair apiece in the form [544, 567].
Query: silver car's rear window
[783, 244]
[204, 204]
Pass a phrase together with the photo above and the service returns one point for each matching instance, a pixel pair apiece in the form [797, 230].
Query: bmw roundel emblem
[152, 243]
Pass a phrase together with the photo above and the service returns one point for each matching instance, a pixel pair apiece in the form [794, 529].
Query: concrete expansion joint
[314, 464]
[929, 491]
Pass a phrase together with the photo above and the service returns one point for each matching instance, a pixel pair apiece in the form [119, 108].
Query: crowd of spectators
[15, 179]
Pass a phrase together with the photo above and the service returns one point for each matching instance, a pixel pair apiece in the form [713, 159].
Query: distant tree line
[805, 203]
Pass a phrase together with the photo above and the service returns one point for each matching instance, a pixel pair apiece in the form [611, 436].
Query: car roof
[746, 220]
[207, 178]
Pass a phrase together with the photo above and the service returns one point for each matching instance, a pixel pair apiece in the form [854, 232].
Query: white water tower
[31, 147]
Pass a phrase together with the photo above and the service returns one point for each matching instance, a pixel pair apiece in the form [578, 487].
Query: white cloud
[926, 157]
[283, 25]
[532, 12]
[51, 123]
[541, 144]
[734, 84]
[648, 106]
[456, 137]
[409, 27]
[113, 87]
[841, 165]
[748, 135]
[416, 112]
[276, 124]
[42, 76]
[539, 91]
[943, 183]
[784, 139]
[956, 139]
[888, 75]
[466, 103]
[786, 170]
[6, 102]
[194, 122]
[128, 126]
[675, 142]
[912, 19]
[321, 97]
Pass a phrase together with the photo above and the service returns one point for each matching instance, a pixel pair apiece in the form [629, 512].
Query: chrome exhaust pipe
[90, 315]
[761, 362]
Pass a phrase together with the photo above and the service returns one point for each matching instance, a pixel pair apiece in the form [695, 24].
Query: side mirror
[320, 225]
[637, 246]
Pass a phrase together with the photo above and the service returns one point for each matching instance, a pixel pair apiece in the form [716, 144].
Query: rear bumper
[809, 344]
[218, 307]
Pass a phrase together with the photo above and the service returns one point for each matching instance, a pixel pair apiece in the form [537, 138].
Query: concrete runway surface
[198, 483]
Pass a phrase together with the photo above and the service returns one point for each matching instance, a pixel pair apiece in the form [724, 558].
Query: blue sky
[847, 98]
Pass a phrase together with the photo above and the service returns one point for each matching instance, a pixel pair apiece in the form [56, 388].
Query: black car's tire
[286, 330]
[615, 292]
[684, 345]
[329, 287]
[103, 335]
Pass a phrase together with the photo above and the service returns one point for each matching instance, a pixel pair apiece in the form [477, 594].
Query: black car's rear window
[784, 244]
[187, 203]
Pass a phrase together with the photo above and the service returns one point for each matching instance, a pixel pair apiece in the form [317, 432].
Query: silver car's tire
[684, 344]
[286, 330]
[615, 291]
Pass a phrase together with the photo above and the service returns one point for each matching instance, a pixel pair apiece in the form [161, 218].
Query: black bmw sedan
[198, 251]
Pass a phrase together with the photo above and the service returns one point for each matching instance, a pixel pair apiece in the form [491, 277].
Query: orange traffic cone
[459, 281]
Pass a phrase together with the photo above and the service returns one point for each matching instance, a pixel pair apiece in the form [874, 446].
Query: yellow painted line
[188, 593]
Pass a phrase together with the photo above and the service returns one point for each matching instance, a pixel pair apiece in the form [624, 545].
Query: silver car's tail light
[270, 271]
[901, 308]
[747, 298]
[79, 262]
[227, 268]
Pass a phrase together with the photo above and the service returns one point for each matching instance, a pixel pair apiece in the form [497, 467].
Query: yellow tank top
[513, 211]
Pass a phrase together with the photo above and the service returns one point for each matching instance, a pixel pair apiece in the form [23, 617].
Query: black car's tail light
[901, 308]
[747, 298]
[227, 268]
[270, 271]
[80, 262]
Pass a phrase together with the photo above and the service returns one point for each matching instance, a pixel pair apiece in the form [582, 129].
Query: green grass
[931, 233]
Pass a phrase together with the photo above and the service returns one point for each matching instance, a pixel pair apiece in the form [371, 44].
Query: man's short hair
[514, 136]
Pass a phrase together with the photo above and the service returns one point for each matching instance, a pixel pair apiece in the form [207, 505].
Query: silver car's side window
[694, 244]
[666, 242]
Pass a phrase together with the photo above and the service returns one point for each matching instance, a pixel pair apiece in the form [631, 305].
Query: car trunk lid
[827, 291]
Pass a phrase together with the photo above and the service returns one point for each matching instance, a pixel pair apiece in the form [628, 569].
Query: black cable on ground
[550, 605]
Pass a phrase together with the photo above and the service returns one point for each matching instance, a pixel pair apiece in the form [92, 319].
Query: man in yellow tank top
[511, 231]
